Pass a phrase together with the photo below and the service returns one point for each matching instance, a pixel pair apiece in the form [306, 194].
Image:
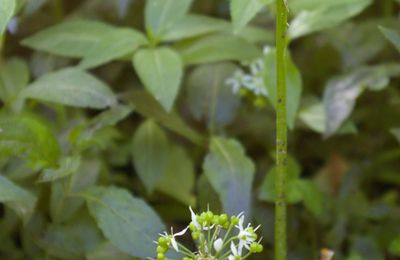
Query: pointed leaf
[150, 151]
[74, 38]
[392, 35]
[326, 16]
[72, 87]
[6, 12]
[242, 11]
[161, 14]
[129, 223]
[68, 166]
[17, 198]
[161, 72]
[341, 92]
[231, 173]
[14, 76]
[219, 48]
[116, 44]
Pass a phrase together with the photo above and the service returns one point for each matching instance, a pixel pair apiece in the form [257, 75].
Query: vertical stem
[281, 130]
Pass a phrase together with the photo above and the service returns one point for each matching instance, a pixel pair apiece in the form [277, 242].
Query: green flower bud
[260, 248]
[160, 256]
[226, 225]
[209, 216]
[222, 219]
[163, 241]
[234, 220]
[162, 249]
[254, 247]
[196, 235]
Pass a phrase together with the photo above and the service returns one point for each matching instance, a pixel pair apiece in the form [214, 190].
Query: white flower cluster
[212, 243]
[252, 81]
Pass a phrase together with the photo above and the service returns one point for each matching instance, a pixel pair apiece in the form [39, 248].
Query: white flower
[173, 242]
[236, 252]
[194, 219]
[246, 235]
[218, 244]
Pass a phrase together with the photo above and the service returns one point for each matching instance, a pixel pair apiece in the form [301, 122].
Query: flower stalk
[281, 130]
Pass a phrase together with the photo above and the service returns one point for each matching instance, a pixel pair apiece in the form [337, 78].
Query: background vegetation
[118, 115]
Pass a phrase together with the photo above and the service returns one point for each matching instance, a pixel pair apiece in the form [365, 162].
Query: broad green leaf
[71, 241]
[14, 76]
[219, 48]
[242, 11]
[68, 166]
[396, 133]
[20, 200]
[312, 197]
[293, 194]
[129, 223]
[27, 135]
[74, 38]
[341, 92]
[257, 35]
[326, 16]
[293, 81]
[72, 87]
[209, 97]
[178, 179]
[314, 117]
[161, 72]
[392, 35]
[147, 106]
[118, 43]
[150, 149]
[231, 173]
[161, 14]
[394, 246]
[63, 206]
[194, 25]
[6, 12]
[106, 251]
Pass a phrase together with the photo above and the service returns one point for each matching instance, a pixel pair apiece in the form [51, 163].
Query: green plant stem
[281, 130]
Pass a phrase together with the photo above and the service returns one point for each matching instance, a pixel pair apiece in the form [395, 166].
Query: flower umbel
[217, 237]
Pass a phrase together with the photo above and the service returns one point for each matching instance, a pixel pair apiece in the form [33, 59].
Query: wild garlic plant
[216, 237]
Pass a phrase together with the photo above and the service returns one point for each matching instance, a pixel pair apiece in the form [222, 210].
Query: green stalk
[281, 130]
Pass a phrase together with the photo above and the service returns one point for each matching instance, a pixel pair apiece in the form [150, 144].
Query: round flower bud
[218, 244]
[160, 256]
[162, 249]
[195, 235]
[222, 219]
[162, 241]
[260, 248]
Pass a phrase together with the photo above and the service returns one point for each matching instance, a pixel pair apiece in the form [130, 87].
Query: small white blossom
[246, 235]
[174, 244]
[236, 252]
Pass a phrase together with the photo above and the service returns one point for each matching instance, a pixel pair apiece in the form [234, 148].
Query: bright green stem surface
[281, 130]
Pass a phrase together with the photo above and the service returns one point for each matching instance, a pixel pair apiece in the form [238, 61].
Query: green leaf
[242, 11]
[394, 247]
[392, 35]
[6, 12]
[231, 173]
[341, 92]
[27, 135]
[194, 25]
[324, 17]
[72, 87]
[179, 177]
[62, 205]
[74, 38]
[70, 241]
[118, 43]
[209, 97]
[219, 48]
[17, 198]
[150, 151]
[314, 117]
[257, 35]
[147, 106]
[106, 251]
[129, 223]
[161, 72]
[294, 85]
[14, 76]
[68, 166]
[161, 14]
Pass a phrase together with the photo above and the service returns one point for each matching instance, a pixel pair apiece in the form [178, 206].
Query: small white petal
[181, 233]
[233, 249]
[174, 244]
